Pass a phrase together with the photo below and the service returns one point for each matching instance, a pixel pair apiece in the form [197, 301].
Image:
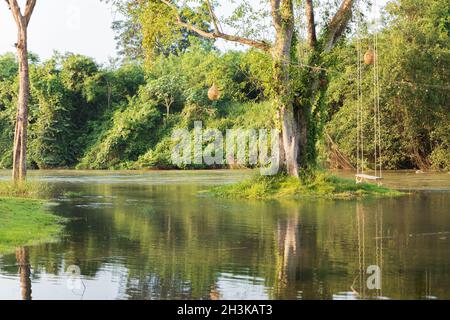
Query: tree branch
[22, 21]
[217, 34]
[338, 24]
[312, 37]
[276, 16]
[17, 14]
[29, 8]
[213, 17]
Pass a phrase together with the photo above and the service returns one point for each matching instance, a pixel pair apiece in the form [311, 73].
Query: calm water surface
[151, 235]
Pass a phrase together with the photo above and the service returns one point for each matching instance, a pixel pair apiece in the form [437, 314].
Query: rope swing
[370, 58]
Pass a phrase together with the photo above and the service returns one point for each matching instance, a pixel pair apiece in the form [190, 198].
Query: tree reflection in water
[23, 261]
[161, 242]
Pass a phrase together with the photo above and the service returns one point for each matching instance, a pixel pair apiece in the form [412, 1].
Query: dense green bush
[414, 55]
[131, 133]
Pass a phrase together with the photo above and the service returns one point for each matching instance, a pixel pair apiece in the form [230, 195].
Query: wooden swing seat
[368, 177]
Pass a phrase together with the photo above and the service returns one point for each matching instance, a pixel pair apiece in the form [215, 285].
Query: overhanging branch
[217, 34]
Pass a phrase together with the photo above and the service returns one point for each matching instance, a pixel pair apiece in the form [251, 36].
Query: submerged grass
[26, 222]
[316, 185]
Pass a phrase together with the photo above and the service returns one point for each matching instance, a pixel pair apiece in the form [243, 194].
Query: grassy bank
[319, 185]
[25, 221]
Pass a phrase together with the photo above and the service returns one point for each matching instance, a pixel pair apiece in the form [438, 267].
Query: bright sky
[78, 26]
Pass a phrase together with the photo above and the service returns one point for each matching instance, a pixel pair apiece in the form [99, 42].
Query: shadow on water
[148, 240]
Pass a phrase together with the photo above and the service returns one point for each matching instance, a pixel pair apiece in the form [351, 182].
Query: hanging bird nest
[369, 57]
[214, 93]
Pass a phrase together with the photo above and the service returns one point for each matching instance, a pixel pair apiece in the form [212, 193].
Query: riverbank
[26, 222]
[321, 185]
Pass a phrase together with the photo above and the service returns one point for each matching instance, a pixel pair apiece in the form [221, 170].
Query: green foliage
[25, 222]
[414, 55]
[167, 91]
[158, 157]
[71, 99]
[8, 67]
[52, 129]
[87, 116]
[318, 185]
[160, 32]
[28, 189]
[131, 133]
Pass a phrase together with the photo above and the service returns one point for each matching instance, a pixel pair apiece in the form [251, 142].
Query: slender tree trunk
[20, 137]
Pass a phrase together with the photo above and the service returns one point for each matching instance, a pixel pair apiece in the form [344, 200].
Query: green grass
[318, 185]
[26, 222]
[73, 194]
[28, 189]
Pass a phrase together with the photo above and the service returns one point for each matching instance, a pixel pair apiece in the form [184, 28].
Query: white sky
[78, 26]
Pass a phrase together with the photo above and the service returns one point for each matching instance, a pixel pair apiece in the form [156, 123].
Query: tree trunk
[289, 127]
[302, 119]
[20, 137]
[281, 53]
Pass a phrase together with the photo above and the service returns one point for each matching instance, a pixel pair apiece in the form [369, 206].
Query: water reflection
[156, 241]
[23, 261]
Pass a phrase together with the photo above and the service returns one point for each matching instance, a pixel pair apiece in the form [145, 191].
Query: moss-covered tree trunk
[314, 79]
[283, 18]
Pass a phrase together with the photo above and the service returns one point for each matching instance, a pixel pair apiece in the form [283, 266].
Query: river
[154, 235]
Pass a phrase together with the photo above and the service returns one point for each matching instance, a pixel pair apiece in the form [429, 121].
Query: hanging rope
[359, 112]
[369, 58]
[376, 101]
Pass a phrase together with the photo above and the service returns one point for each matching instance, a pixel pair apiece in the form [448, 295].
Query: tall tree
[22, 20]
[294, 102]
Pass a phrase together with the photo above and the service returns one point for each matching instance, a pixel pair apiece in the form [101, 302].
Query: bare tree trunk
[20, 137]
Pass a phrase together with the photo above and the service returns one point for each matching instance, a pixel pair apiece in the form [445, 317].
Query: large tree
[22, 20]
[295, 99]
